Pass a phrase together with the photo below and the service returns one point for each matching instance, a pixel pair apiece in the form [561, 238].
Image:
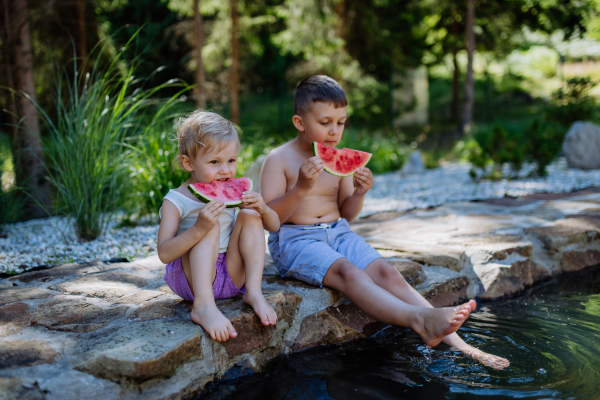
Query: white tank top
[188, 214]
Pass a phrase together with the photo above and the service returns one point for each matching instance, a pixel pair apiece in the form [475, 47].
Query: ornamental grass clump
[84, 147]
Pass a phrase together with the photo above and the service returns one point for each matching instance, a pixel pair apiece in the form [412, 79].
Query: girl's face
[213, 165]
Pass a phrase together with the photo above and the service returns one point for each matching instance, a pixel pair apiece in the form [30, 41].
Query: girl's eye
[232, 160]
[214, 162]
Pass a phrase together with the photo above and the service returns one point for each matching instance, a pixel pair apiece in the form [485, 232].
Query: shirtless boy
[315, 243]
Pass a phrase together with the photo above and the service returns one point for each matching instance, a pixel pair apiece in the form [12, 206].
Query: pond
[551, 335]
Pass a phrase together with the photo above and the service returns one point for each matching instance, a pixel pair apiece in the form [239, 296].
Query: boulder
[414, 165]
[582, 146]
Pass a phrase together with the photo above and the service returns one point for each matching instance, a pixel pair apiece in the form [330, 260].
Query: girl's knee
[249, 216]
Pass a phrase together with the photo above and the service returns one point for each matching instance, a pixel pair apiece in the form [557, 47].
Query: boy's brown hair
[202, 131]
[318, 88]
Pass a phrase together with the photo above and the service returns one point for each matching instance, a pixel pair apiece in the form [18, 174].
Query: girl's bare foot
[489, 360]
[213, 322]
[433, 324]
[262, 308]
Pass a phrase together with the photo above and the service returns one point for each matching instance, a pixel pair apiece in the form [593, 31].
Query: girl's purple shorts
[223, 287]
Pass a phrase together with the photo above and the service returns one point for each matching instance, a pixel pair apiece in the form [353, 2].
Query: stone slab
[501, 280]
[577, 260]
[75, 315]
[22, 353]
[15, 294]
[107, 285]
[13, 318]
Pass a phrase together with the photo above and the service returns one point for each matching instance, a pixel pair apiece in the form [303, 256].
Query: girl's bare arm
[170, 246]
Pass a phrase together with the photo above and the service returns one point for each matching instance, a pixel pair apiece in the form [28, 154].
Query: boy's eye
[341, 123]
[324, 123]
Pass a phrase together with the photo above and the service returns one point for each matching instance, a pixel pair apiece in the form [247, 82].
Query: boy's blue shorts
[306, 252]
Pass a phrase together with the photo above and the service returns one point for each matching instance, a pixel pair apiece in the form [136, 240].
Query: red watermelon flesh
[341, 162]
[229, 191]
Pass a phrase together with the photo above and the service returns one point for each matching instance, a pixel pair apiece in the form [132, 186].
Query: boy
[315, 243]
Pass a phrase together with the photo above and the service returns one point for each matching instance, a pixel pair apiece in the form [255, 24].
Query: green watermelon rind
[329, 170]
[204, 199]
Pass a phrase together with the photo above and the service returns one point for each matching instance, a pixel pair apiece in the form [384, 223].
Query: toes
[231, 330]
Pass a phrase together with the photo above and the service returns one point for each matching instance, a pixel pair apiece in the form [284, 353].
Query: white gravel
[51, 241]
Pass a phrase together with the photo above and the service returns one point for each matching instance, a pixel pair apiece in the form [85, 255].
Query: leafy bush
[512, 145]
[574, 102]
[84, 147]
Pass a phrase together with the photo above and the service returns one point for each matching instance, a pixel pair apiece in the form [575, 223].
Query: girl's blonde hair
[202, 131]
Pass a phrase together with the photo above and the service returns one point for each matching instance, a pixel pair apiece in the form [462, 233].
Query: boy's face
[323, 123]
[214, 164]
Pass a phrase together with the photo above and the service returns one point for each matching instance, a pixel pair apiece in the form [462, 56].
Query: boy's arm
[273, 184]
[352, 193]
[170, 246]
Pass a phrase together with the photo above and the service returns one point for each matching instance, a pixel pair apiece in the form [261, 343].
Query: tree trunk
[456, 73]
[340, 10]
[235, 65]
[198, 43]
[7, 55]
[82, 42]
[27, 145]
[469, 81]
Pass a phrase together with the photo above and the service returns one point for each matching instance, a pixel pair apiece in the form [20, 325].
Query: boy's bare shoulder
[280, 156]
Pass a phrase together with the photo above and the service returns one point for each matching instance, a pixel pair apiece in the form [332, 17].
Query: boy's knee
[386, 272]
[349, 272]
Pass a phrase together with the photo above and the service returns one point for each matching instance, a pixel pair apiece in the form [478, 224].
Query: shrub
[574, 102]
[84, 147]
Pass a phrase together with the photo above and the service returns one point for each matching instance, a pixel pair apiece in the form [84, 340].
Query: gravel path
[51, 241]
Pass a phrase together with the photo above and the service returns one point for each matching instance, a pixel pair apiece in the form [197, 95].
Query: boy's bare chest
[326, 184]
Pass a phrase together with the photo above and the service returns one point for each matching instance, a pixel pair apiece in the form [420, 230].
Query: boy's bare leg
[386, 276]
[246, 260]
[200, 270]
[432, 324]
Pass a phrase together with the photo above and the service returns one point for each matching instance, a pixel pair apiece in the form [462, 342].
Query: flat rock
[450, 292]
[145, 350]
[19, 389]
[22, 353]
[75, 315]
[139, 297]
[445, 256]
[13, 318]
[500, 280]
[334, 325]
[252, 334]
[16, 294]
[410, 270]
[107, 285]
[161, 307]
[578, 260]
[61, 271]
[556, 237]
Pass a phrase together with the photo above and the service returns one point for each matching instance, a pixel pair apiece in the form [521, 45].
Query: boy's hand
[209, 214]
[309, 172]
[254, 201]
[363, 181]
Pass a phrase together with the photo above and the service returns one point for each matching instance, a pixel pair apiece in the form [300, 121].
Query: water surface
[550, 334]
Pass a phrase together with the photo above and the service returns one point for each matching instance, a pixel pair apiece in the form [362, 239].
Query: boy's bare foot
[433, 324]
[261, 307]
[489, 360]
[213, 322]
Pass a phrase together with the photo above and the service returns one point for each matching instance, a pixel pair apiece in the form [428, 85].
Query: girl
[210, 252]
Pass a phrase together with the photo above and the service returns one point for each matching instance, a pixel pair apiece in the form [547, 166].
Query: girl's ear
[297, 121]
[187, 163]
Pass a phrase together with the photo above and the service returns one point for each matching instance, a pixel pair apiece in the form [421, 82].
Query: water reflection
[551, 336]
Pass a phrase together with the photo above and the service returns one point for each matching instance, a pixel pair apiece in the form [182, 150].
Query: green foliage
[84, 147]
[389, 153]
[574, 102]
[512, 145]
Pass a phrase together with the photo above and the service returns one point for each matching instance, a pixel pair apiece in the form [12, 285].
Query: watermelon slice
[344, 162]
[229, 191]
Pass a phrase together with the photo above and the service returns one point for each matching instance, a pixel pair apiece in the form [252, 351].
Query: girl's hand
[363, 181]
[254, 201]
[209, 214]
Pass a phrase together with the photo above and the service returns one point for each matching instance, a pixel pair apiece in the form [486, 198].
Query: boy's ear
[187, 163]
[298, 123]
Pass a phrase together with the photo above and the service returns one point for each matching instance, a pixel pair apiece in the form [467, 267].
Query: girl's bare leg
[432, 324]
[385, 275]
[246, 260]
[199, 267]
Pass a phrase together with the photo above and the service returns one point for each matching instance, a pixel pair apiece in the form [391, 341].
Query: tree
[234, 96]
[26, 141]
[469, 81]
[198, 42]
